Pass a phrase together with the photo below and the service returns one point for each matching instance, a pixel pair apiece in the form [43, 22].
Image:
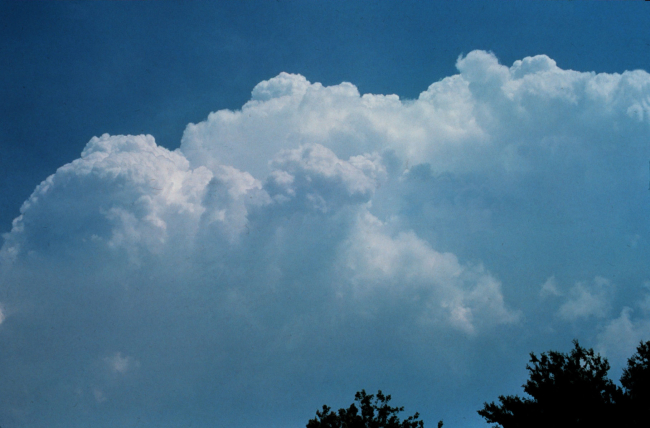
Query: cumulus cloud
[122, 193]
[320, 235]
[513, 114]
[588, 300]
[621, 336]
[314, 173]
[433, 285]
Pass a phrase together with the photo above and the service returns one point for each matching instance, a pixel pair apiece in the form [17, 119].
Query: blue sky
[235, 212]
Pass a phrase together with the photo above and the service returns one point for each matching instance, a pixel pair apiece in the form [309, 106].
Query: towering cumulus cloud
[318, 240]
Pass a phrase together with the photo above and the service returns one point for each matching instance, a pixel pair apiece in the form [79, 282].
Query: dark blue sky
[73, 70]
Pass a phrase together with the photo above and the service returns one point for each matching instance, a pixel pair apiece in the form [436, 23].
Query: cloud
[512, 114]
[314, 173]
[121, 195]
[644, 304]
[549, 288]
[121, 364]
[587, 300]
[319, 239]
[99, 395]
[621, 336]
[432, 285]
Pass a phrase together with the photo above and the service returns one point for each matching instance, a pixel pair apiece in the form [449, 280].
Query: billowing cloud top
[318, 235]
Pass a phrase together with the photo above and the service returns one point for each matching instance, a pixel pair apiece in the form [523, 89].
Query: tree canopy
[573, 390]
[562, 391]
[636, 387]
[372, 412]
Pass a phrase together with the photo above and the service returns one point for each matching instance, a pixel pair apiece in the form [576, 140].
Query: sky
[232, 213]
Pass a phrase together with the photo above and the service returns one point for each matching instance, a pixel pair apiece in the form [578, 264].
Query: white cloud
[621, 336]
[121, 364]
[408, 273]
[228, 197]
[489, 108]
[318, 233]
[123, 192]
[588, 300]
[644, 304]
[549, 288]
[313, 172]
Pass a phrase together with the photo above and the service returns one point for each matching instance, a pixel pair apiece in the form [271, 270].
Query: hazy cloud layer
[318, 241]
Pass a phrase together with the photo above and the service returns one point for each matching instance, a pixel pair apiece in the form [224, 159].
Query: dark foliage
[573, 390]
[636, 384]
[565, 391]
[372, 412]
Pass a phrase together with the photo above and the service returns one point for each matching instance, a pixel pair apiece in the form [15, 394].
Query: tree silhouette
[373, 412]
[636, 384]
[565, 391]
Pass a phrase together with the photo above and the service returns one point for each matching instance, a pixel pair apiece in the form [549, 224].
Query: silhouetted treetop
[563, 391]
[573, 390]
[636, 385]
[372, 412]
[566, 390]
